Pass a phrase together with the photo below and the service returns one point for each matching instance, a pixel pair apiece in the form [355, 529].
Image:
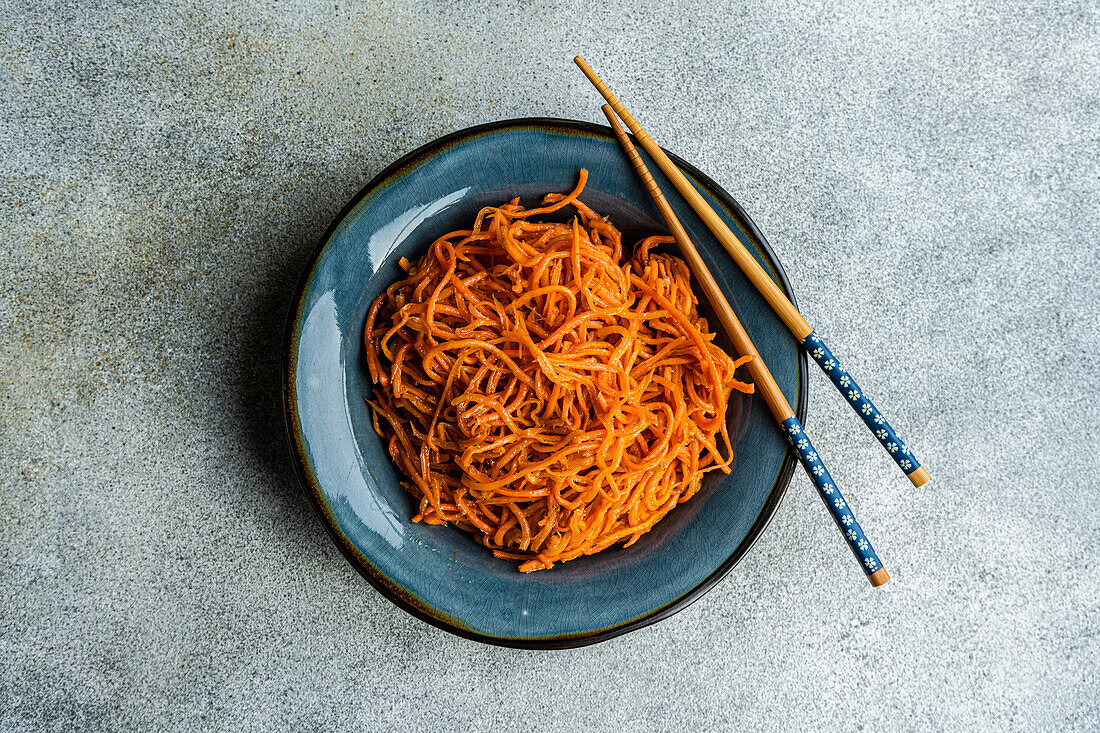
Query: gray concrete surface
[928, 172]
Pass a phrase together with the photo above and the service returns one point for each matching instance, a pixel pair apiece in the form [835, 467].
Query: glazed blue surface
[838, 507]
[859, 402]
[439, 573]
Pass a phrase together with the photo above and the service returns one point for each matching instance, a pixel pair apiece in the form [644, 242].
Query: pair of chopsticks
[769, 390]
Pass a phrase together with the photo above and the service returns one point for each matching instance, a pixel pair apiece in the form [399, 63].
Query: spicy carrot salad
[543, 393]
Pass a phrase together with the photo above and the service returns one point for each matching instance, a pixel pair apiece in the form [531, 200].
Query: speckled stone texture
[927, 172]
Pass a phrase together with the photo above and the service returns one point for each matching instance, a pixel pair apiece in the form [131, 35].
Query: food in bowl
[544, 392]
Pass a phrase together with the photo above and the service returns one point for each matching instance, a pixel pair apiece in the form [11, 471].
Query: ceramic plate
[438, 573]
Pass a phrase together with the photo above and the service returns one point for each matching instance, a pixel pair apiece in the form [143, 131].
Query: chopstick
[842, 513]
[783, 307]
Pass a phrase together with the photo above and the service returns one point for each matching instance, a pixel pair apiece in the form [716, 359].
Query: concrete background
[928, 173]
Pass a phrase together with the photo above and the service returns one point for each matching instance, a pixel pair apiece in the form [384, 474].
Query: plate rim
[408, 601]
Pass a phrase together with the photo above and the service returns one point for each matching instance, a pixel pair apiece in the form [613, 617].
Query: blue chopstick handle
[830, 494]
[843, 381]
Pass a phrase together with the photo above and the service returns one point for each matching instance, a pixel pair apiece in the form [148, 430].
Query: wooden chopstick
[765, 383]
[775, 297]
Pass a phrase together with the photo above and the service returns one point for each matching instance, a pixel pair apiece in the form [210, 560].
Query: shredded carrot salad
[542, 393]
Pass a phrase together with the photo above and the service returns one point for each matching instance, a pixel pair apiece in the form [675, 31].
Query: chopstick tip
[879, 577]
[612, 120]
[919, 477]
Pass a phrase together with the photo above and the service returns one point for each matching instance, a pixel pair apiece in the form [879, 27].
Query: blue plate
[438, 573]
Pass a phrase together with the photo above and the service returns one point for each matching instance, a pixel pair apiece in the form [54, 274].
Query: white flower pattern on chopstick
[839, 509]
[848, 387]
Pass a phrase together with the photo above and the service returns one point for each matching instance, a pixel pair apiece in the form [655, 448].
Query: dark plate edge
[375, 577]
